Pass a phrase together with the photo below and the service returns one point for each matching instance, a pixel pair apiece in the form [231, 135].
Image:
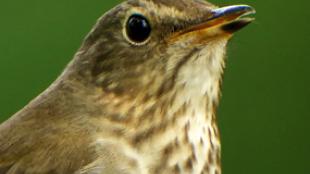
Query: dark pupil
[138, 28]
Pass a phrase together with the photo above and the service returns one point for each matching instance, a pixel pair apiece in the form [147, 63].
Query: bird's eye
[138, 29]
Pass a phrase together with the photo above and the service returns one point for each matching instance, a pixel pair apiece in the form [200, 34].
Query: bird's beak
[225, 20]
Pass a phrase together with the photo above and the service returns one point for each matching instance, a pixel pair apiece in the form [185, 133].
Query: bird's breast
[187, 142]
[192, 146]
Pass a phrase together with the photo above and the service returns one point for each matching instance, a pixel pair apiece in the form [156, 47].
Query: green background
[264, 113]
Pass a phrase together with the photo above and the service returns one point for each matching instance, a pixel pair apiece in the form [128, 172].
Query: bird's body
[126, 106]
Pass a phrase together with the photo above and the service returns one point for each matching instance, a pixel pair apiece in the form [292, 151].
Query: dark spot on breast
[210, 157]
[201, 141]
[176, 142]
[143, 136]
[218, 157]
[193, 156]
[217, 171]
[168, 150]
[189, 164]
[206, 167]
[210, 138]
[177, 169]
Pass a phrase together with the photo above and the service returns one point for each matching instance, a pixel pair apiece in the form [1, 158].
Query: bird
[139, 96]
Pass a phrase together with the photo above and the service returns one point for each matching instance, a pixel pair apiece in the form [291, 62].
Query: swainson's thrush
[139, 96]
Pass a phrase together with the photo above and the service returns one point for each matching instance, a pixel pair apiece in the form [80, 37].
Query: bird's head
[152, 46]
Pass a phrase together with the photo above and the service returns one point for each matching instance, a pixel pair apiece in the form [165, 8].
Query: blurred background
[264, 114]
